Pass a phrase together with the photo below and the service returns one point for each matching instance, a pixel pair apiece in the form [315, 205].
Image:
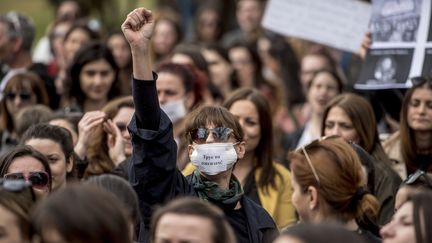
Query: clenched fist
[138, 28]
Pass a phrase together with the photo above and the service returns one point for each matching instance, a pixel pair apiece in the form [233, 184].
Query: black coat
[153, 171]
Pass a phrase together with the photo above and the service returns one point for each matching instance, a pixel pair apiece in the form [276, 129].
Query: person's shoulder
[255, 210]
[368, 236]
[280, 168]
[386, 171]
[189, 168]
[284, 173]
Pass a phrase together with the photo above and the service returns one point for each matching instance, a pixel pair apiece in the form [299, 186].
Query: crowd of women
[159, 135]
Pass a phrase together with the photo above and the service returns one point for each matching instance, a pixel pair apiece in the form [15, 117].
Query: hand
[138, 28]
[115, 142]
[365, 45]
[86, 128]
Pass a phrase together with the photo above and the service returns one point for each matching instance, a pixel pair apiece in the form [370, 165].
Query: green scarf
[210, 191]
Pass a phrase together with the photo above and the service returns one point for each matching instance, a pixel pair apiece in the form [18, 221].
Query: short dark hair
[83, 213]
[31, 115]
[216, 115]
[57, 134]
[222, 231]
[122, 189]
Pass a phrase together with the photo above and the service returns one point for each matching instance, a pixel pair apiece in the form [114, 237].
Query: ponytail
[367, 207]
[367, 213]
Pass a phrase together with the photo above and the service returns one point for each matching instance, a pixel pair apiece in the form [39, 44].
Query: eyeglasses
[23, 96]
[220, 134]
[415, 178]
[39, 179]
[420, 80]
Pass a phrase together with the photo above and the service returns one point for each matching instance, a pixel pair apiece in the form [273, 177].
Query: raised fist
[138, 28]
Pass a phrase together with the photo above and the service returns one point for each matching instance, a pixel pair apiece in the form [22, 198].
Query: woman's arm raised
[138, 29]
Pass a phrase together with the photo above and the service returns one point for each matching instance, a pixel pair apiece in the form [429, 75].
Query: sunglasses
[220, 134]
[39, 179]
[23, 96]
[417, 177]
[309, 161]
[420, 80]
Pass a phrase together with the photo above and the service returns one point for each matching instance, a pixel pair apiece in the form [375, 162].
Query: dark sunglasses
[23, 96]
[420, 80]
[39, 179]
[416, 178]
[220, 134]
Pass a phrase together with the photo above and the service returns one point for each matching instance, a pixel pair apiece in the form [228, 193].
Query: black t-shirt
[238, 222]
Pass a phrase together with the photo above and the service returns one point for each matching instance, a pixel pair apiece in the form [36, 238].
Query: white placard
[337, 23]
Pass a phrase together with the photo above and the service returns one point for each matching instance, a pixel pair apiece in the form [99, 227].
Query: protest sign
[337, 23]
[402, 44]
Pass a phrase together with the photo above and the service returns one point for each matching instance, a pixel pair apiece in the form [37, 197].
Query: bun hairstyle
[341, 187]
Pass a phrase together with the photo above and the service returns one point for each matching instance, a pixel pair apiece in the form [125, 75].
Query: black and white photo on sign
[385, 68]
[427, 64]
[395, 20]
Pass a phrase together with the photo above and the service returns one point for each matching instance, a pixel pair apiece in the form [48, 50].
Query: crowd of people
[155, 132]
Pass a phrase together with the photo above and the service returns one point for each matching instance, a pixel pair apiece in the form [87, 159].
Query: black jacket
[153, 171]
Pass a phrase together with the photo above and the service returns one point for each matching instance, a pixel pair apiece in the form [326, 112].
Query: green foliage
[110, 12]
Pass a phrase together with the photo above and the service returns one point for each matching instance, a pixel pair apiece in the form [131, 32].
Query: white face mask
[213, 158]
[175, 110]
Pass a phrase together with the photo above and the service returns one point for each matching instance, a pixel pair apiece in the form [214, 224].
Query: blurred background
[110, 12]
